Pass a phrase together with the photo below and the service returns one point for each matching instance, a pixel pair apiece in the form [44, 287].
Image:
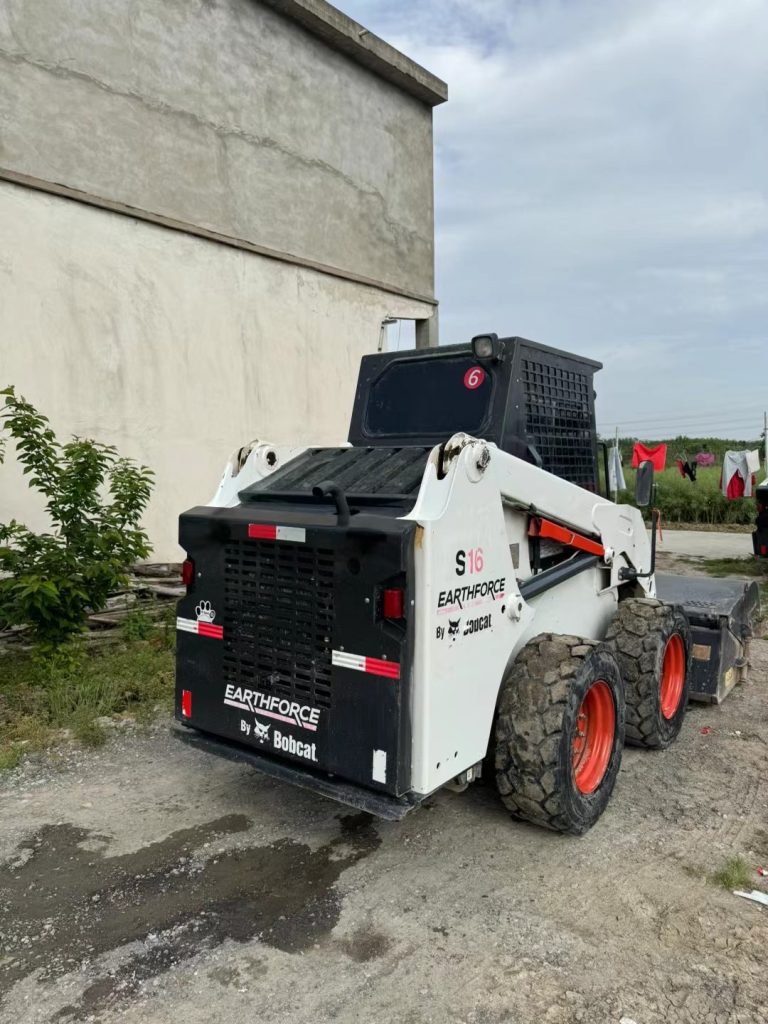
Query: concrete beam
[427, 331]
[351, 38]
[14, 178]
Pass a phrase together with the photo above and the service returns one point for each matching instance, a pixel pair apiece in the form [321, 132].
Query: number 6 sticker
[474, 377]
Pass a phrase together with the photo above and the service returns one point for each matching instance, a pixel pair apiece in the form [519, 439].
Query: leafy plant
[94, 500]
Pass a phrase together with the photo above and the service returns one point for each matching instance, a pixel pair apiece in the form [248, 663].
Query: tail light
[186, 703]
[393, 604]
[188, 572]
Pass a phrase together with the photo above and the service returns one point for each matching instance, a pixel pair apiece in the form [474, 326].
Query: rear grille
[559, 420]
[278, 627]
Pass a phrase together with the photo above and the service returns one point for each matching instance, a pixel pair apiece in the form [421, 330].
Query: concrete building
[207, 209]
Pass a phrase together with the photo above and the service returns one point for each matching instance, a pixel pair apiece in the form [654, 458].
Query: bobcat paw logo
[204, 612]
[261, 731]
[453, 627]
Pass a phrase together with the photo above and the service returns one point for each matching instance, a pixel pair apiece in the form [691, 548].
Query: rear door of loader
[284, 644]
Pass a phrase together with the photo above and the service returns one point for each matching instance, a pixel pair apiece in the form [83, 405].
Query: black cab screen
[431, 396]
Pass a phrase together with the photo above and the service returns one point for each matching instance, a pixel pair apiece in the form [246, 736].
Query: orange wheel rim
[593, 740]
[672, 675]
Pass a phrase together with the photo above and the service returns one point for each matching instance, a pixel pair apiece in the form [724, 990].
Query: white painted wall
[173, 348]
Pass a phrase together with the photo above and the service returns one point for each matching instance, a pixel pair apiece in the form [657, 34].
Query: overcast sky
[602, 186]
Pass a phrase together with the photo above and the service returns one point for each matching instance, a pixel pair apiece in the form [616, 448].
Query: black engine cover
[282, 643]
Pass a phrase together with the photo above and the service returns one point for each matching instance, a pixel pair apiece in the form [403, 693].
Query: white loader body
[472, 557]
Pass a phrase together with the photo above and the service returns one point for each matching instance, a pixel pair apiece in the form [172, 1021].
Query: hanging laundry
[657, 455]
[686, 467]
[736, 480]
[753, 462]
[705, 459]
[616, 481]
[735, 487]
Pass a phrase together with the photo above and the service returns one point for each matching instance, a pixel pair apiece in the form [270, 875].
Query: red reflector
[186, 703]
[187, 572]
[394, 604]
[262, 531]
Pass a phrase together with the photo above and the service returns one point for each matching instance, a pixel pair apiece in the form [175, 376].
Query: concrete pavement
[703, 544]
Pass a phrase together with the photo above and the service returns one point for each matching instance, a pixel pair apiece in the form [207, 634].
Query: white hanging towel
[753, 462]
[616, 481]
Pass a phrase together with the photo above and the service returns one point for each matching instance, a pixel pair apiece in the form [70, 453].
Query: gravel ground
[147, 882]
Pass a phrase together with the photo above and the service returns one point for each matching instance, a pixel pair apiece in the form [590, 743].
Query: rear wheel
[652, 643]
[559, 732]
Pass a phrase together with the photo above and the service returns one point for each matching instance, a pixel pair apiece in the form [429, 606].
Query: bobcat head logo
[261, 732]
[453, 627]
[204, 612]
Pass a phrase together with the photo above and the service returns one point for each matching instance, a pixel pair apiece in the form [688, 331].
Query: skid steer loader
[447, 591]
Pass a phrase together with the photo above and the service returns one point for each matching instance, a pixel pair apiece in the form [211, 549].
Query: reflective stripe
[345, 660]
[373, 666]
[266, 531]
[200, 627]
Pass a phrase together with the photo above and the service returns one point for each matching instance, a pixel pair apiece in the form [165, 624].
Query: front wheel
[652, 642]
[560, 732]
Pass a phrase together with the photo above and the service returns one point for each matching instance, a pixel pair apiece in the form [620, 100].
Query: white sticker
[295, 533]
[379, 772]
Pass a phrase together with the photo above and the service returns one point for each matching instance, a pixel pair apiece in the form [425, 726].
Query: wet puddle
[64, 901]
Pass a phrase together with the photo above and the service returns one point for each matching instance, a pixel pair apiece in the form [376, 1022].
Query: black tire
[536, 726]
[641, 635]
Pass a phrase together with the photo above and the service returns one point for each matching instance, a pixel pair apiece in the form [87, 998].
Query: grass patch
[692, 505]
[731, 566]
[734, 874]
[78, 684]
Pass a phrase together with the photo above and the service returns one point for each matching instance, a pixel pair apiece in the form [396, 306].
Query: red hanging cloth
[657, 455]
[736, 486]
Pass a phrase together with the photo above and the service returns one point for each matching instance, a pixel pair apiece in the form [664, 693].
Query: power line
[688, 424]
[708, 415]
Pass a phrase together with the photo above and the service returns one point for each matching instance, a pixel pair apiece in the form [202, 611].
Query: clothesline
[737, 479]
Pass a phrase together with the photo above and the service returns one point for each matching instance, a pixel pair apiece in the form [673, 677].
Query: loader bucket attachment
[722, 614]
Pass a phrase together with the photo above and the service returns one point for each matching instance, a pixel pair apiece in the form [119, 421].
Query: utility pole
[615, 469]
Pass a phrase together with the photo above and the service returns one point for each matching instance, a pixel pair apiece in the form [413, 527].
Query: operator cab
[531, 400]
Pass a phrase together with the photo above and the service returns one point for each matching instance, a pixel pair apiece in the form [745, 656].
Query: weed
[137, 625]
[734, 874]
[730, 566]
[88, 732]
[74, 686]
[10, 756]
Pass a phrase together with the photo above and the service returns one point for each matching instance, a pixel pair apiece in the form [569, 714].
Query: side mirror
[644, 484]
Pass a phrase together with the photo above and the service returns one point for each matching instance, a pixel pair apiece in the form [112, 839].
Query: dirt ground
[146, 882]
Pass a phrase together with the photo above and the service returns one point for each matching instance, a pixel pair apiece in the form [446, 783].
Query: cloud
[602, 186]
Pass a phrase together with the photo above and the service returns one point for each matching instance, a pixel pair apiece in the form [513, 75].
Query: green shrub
[95, 500]
[681, 501]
